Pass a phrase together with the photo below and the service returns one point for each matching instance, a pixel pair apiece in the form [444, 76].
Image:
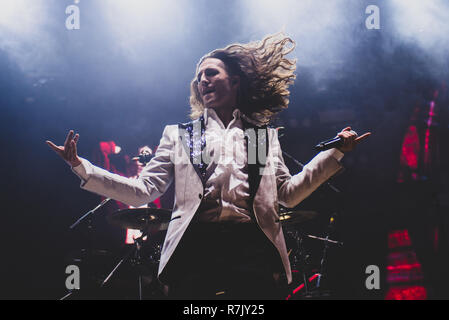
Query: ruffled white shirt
[226, 195]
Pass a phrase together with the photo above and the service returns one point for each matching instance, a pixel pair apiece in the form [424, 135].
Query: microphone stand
[144, 158]
[88, 216]
[77, 222]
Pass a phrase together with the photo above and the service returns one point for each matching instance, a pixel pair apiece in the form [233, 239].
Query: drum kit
[144, 254]
[308, 273]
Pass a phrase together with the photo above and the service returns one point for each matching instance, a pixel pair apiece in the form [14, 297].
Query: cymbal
[140, 218]
[296, 217]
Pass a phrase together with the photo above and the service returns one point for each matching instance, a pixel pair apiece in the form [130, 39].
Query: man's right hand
[68, 151]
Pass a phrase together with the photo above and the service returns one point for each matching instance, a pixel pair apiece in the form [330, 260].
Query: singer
[226, 239]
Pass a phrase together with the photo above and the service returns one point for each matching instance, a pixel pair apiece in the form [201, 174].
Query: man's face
[217, 89]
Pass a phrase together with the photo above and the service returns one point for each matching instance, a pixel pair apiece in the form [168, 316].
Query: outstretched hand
[351, 139]
[68, 150]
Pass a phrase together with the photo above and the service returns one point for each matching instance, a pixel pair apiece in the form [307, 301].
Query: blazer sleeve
[154, 180]
[293, 189]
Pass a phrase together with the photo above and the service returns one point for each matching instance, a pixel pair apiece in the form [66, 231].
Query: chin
[209, 105]
[213, 105]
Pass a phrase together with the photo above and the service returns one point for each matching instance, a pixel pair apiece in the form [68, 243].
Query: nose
[204, 80]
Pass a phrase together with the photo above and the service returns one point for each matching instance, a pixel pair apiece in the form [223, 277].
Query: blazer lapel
[193, 139]
[256, 141]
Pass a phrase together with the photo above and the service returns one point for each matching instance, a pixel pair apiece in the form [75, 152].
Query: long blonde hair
[265, 75]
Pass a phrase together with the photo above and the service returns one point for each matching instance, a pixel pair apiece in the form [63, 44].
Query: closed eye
[209, 72]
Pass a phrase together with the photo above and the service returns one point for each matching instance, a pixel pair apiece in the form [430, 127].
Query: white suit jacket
[172, 163]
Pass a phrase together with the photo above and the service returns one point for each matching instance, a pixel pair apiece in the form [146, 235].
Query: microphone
[331, 143]
[143, 158]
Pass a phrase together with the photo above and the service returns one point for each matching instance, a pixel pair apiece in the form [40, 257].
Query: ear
[235, 81]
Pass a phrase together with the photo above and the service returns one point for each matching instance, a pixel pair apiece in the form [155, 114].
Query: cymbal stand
[299, 256]
[326, 241]
[134, 252]
[303, 261]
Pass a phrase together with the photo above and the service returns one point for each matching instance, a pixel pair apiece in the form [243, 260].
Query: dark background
[125, 74]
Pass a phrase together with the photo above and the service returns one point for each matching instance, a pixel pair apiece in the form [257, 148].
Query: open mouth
[208, 90]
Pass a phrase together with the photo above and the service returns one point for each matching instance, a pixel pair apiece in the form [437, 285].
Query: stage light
[299, 17]
[21, 16]
[321, 32]
[422, 22]
[136, 24]
[292, 16]
[25, 35]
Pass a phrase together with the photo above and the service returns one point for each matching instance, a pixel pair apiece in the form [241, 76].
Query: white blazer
[172, 163]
